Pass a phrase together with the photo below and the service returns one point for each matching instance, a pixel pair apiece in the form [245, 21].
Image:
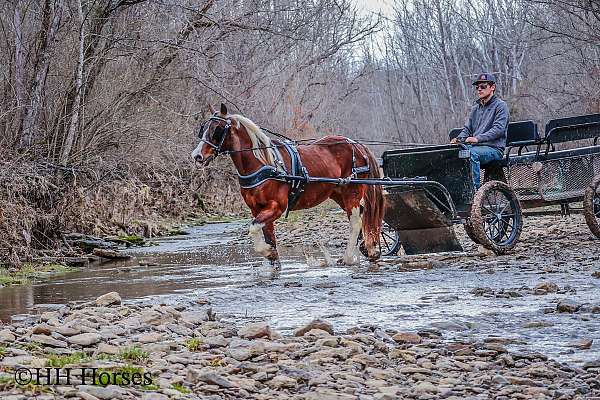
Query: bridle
[220, 132]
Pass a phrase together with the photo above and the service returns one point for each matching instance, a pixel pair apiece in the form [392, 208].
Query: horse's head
[213, 134]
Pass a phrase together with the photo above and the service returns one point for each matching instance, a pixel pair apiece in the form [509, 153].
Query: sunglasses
[482, 86]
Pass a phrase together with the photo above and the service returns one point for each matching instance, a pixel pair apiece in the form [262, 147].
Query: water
[206, 265]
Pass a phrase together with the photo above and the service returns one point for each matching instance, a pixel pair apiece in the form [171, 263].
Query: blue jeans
[481, 156]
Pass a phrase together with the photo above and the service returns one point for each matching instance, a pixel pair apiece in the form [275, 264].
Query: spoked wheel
[591, 206]
[389, 242]
[496, 217]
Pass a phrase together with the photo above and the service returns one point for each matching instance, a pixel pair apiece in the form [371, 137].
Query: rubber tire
[477, 217]
[468, 226]
[392, 252]
[588, 206]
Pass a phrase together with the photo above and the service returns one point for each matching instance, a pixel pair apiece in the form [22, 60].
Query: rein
[299, 142]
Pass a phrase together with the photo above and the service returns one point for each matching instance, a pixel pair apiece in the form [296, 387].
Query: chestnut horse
[329, 157]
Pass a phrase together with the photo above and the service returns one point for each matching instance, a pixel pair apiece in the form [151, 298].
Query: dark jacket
[488, 123]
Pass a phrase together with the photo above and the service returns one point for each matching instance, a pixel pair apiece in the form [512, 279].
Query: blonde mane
[258, 138]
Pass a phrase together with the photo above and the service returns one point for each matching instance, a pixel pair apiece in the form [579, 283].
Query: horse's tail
[373, 207]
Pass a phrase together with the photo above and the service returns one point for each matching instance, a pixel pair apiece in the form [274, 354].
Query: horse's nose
[196, 156]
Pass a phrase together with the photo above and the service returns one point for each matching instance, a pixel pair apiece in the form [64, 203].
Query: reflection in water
[205, 265]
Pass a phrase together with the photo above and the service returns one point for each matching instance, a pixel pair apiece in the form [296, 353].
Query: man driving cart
[485, 129]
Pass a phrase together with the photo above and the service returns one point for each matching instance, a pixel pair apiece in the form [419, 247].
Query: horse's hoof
[276, 265]
[348, 263]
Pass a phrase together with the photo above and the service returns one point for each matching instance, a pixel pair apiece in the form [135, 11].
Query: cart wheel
[389, 242]
[468, 225]
[496, 217]
[591, 206]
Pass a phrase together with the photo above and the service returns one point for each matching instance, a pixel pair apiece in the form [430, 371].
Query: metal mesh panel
[524, 181]
[559, 179]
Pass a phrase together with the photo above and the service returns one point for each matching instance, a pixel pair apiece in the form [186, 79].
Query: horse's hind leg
[351, 256]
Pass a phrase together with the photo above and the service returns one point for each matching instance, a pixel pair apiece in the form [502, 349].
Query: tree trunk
[74, 125]
[51, 20]
[19, 56]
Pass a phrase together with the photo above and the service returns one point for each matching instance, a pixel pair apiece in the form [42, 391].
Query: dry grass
[39, 202]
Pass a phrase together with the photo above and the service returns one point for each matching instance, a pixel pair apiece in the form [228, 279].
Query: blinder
[219, 133]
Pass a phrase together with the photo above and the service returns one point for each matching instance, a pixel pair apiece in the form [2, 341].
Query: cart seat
[519, 134]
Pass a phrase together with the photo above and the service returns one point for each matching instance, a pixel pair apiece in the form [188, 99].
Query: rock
[500, 380]
[596, 274]
[255, 330]
[581, 344]
[42, 329]
[538, 324]
[216, 341]
[451, 326]
[108, 299]
[108, 349]
[7, 336]
[154, 396]
[518, 380]
[567, 306]
[67, 330]
[111, 254]
[85, 339]
[194, 317]
[180, 330]
[407, 337]
[315, 324]
[591, 364]
[16, 361]
[86, 396]
[109, 392]
[214, 379]
[547, 287]
[282, 381]
[426, 387]
[319, 333]
[48, 341]
[242, 350]
[152, 337]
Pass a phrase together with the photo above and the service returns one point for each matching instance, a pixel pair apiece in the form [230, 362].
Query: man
[485, 129]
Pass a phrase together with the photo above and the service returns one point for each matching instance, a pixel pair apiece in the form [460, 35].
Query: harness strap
[260, 176]
[296, 169]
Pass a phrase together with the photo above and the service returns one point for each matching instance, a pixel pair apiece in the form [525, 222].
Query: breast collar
[267, 172]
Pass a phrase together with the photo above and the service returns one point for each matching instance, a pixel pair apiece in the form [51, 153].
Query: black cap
[485, 77]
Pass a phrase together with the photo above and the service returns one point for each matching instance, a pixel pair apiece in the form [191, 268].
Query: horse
[260, 159]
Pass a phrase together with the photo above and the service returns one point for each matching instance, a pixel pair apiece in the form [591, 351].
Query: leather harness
[297, 170]
[297, 176]
[268, 172]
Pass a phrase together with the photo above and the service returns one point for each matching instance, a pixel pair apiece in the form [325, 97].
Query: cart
[561, 168]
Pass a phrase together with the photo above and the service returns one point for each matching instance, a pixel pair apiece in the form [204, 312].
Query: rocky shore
[193, 355]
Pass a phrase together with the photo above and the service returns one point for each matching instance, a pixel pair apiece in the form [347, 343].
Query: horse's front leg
[352, 256]
[262, 232]
[269, 234]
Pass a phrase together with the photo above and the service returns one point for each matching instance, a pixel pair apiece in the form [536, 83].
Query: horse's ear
[223, 109]
[211, 109]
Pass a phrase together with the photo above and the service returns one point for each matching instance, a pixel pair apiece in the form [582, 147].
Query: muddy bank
[185, 353]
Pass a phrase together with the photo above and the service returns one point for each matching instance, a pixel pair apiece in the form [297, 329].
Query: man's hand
[454, 141]
[471, 139]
